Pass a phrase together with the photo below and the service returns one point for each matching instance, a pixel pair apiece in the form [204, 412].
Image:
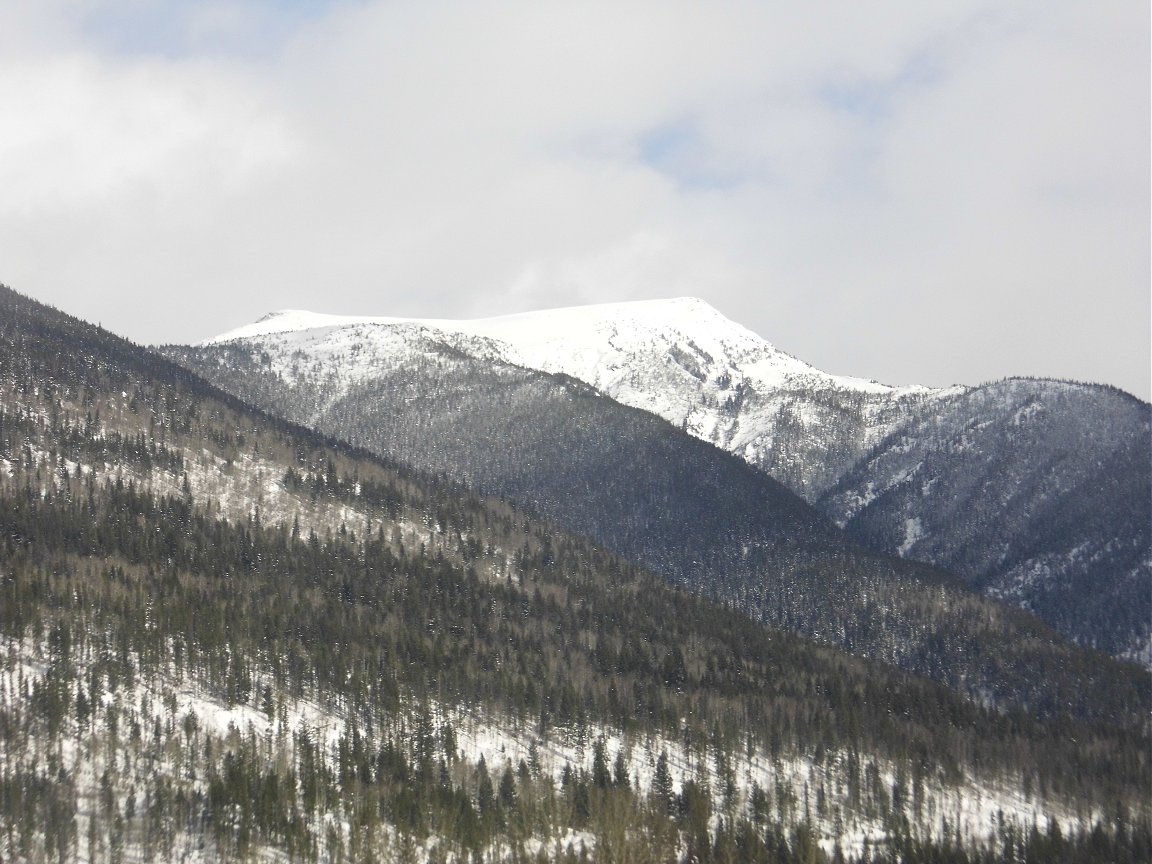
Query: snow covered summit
[594, 342]
[678, 358]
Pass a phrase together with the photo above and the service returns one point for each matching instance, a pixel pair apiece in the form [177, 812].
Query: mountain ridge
[532, 334]
[697, 515]
[816, 433]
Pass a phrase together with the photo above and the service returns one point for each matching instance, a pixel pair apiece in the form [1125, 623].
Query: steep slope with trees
[678, 506]
[1052, 460]
[1036, 492]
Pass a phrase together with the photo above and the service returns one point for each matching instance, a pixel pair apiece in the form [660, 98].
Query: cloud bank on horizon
[914, 192]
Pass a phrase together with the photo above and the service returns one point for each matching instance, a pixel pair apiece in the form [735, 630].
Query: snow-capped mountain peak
[595, 342]
[679, 358]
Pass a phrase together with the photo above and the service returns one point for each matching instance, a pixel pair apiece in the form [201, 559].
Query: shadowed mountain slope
[1036, 492]
[680, 507]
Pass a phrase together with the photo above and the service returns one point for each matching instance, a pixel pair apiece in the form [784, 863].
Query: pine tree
[601, 778]
[508, 788]
[620, 771]
[662, 791]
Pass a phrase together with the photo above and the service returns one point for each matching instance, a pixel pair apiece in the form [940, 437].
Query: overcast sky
[913, 191]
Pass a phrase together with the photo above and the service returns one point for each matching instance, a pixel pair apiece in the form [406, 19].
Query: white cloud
[876, 187]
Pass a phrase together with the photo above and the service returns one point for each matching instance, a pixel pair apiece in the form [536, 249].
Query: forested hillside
[1035, 492]
[697, 516]
[225, 638]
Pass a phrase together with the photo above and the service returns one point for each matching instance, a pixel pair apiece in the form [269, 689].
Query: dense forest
[1068, 467]
[223, 637]
[697, 516]
[1035, 492]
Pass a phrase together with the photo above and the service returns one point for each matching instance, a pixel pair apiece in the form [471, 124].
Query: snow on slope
[188, 719]
[600, 343]
[680, 359]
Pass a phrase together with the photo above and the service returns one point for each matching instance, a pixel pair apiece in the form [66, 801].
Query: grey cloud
[913, 192]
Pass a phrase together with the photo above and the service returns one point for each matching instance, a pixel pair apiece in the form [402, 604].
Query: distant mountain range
[1035, 492]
